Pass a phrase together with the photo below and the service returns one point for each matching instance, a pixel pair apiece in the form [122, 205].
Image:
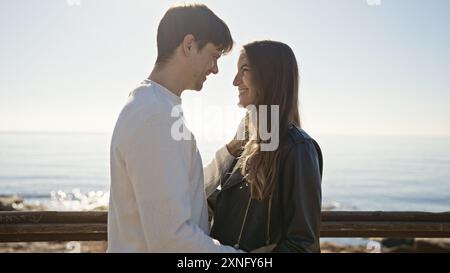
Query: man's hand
[236, 145]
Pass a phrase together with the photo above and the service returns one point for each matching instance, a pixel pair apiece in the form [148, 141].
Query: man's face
[203, 63]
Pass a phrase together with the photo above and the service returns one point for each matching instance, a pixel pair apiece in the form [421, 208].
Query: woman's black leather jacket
[295, 209]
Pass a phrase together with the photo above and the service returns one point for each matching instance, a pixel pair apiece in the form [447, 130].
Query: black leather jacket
[295, 208]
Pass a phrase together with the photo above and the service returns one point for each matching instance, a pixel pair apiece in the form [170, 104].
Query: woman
[268, 196]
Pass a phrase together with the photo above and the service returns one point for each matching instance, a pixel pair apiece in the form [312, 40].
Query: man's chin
[198, 87]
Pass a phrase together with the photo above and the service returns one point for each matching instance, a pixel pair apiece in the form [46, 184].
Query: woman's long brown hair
[275, 78]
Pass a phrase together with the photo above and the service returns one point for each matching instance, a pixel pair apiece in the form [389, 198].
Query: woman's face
[243, 81]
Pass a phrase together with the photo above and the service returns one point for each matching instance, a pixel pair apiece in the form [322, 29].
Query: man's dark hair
[195, 19]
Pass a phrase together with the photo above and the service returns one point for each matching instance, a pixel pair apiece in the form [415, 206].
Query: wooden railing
[37, 226]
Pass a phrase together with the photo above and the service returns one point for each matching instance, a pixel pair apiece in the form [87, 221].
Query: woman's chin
[242, 104]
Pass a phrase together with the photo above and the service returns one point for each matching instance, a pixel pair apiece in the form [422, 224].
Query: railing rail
[37, 226]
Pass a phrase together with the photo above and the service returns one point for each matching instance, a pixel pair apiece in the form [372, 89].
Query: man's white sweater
[157, 195]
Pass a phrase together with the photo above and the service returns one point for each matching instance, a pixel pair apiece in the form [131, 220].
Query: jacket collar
[235, 176]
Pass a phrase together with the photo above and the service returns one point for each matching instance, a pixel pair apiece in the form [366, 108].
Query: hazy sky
[365, 69]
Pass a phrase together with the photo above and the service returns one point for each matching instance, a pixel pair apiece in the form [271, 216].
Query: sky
[367, 67]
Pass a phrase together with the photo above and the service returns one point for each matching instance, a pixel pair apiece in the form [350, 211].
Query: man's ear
[188, 44]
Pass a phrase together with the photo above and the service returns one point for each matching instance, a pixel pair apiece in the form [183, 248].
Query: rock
[423, 246]
[10, 203]
[396, 242]
[432, 246]
[330, 247]
[399, 249]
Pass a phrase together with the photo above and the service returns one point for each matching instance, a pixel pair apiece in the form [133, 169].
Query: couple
[268, 200]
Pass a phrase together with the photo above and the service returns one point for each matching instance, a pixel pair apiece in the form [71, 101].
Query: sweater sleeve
[159, 174]
[216, 169]
[221, 162]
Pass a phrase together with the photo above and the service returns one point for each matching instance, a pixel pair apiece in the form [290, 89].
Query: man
[157, 201]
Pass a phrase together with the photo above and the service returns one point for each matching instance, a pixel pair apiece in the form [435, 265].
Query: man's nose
[215, 68]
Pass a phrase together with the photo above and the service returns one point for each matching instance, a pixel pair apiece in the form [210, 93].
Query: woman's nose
[236, 80]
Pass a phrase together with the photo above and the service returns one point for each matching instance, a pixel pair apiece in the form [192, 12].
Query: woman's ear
[188, 44]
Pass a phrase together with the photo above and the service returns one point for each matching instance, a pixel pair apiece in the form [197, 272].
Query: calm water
[361, 173]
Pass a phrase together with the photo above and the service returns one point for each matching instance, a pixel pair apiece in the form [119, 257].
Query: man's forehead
[242, 58]
[213, 48]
